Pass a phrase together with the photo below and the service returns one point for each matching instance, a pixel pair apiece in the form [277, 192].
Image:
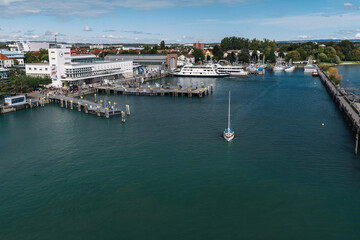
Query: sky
[177, 21]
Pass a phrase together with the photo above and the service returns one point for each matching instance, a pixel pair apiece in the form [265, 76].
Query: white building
[64, 71]
[14, 56]
[6, 62]
[33, 46]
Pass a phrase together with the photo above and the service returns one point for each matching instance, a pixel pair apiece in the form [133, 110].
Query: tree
[198, 54]
[30, 57]
[244, 56]
[294, 55]
[162, 44]
[4, 88]
[354, 55]
[217, 52]
[271, 57]
[323, 57]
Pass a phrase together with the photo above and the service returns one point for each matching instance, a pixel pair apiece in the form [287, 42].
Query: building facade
[199, 45]
[65, 69]
[20, 59]
[164, 62]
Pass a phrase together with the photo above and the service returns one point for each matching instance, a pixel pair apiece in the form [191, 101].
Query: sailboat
[229, 134]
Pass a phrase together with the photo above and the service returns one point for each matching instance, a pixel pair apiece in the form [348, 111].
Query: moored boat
[208, 70]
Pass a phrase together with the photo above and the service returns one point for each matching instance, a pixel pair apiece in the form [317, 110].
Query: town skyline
[177, 21]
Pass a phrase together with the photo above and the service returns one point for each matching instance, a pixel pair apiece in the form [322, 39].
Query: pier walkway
[101, 109]
[348, 107]
[156, 91]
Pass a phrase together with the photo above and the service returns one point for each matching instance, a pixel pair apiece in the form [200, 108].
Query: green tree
[323, 57]
[30, 57]
[294, 55]
[198, 54]
[4, 88]
[162, 44]
[244, 56]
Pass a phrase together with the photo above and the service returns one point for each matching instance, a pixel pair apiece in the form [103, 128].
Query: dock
[156, 91]
[346, 106]
[101, 108]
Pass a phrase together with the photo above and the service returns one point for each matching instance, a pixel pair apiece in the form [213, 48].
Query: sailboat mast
[229, 113]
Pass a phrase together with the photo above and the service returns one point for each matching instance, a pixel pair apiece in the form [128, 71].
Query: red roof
[2, 56]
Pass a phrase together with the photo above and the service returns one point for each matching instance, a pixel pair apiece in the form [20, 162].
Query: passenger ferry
[208, 70]
[233, 70]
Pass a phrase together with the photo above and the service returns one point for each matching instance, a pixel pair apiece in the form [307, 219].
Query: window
[29, 68]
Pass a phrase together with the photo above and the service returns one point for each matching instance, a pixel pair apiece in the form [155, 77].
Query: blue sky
[177, 21]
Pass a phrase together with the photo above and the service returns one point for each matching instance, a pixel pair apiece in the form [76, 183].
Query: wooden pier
[101, 109]
[156, 91]
[347, 107]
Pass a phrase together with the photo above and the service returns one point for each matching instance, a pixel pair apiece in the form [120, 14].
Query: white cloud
[357, 35]
[303, 37]
[87, 29]
[86, 8]
[112, 36]
[348, 4]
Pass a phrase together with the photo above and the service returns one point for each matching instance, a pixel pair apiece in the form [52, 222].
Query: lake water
[167, 173]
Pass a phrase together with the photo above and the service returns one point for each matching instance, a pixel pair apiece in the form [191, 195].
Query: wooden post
[86, 108]
[30, 103]
[102, 102]
[123, 116]
[79, 106]
[95, 97]
[66, 103]
[127, 110]
[61, 103]
[98, 111]
[71, 104]
[211, 88]
[107, 113]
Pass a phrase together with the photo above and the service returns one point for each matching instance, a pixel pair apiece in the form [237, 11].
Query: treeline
[266, 47]
[332, 52]
[20, 83]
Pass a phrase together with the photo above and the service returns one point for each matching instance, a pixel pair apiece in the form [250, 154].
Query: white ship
[309, 68]
[233, 70]
[208, 70]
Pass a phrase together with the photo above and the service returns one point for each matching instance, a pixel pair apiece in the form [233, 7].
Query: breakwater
[347, 107]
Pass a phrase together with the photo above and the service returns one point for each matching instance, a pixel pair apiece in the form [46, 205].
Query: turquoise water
[167, 173]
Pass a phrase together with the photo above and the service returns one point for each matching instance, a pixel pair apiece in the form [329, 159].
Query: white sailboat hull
[229, 136]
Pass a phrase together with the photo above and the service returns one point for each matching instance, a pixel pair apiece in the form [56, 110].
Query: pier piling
[123, 116]
[79, 106]
[128, 110]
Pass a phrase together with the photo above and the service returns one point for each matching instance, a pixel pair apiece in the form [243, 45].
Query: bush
[324, 67]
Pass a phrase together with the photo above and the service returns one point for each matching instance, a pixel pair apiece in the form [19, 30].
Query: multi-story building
[5, 62]
[20, 59]
[199, 45]
[32, 46]
[65, 69]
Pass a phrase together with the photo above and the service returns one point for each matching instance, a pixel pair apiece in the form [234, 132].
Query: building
[185, 59]
[65, 69]
[20, 59]
[97, 46]
[4, 75]
[5, 62]
[164, 62]
[33, 46]
[199, 45]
